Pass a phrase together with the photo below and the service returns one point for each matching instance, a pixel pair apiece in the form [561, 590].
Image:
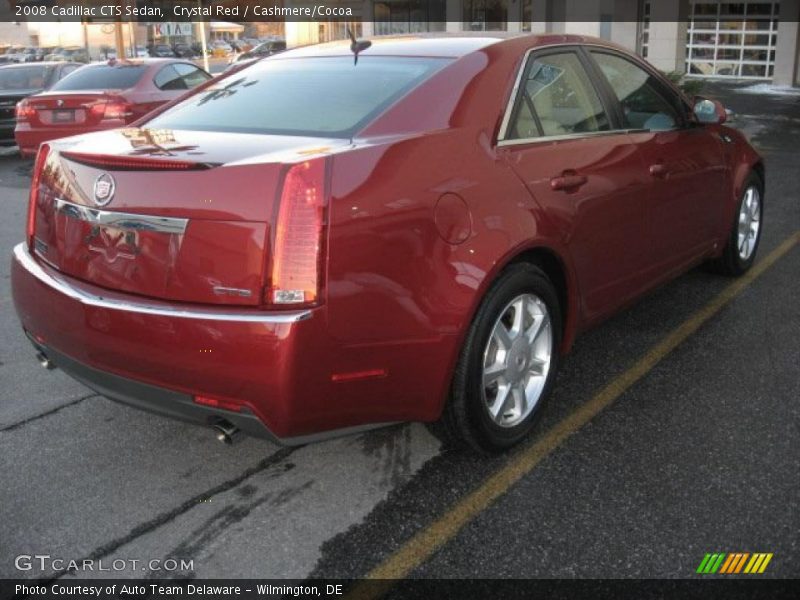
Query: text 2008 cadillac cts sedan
[317, 244]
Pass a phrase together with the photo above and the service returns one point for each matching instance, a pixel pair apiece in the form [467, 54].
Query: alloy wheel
[749, 223]
[516, 360]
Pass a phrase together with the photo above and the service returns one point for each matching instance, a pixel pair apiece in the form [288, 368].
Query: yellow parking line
[424, 543]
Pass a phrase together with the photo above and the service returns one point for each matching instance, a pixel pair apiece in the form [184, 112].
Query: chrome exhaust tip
[227, 432]
[44, 361]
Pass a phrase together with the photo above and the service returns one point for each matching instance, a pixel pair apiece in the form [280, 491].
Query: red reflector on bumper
[354, 375]
[218, 403]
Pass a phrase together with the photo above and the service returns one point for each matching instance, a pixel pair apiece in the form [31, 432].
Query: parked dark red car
[317, 245]
[102, 96]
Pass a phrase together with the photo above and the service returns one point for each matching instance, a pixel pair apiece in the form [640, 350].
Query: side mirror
[709, 111]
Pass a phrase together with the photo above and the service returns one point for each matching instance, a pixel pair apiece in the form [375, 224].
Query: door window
[639, 93]
[556, 97]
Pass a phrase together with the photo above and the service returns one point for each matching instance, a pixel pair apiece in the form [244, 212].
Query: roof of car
[439, 44]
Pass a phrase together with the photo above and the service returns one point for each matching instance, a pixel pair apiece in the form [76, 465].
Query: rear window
[308, 96]
[23, 78]
[101, 77]
[270, 47]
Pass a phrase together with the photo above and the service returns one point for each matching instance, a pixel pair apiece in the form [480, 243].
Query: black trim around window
[604, 88]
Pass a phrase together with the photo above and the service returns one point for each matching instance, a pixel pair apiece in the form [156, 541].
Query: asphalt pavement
[701, 454]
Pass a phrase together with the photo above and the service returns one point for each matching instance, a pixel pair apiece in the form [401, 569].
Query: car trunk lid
[65, 109]
[175, 215]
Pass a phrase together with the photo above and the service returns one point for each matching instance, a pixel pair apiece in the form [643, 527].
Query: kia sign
[171, 29]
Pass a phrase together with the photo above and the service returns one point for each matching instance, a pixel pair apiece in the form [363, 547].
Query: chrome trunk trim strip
[121, 220]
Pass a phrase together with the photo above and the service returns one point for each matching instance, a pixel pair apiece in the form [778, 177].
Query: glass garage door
[732, 39]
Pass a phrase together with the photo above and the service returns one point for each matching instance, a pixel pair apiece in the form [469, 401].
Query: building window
[329, 31]
[485, 15]
[732, 40]
[408, 16]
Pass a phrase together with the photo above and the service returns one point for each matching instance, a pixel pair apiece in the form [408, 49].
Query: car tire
[498, 386]
[740, 249]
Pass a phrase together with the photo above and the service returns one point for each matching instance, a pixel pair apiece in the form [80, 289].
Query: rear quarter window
[328, 96]
[102, 77]
[191, 75]
[168, 79]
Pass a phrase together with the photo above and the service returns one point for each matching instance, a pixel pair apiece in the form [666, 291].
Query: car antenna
[356, 46]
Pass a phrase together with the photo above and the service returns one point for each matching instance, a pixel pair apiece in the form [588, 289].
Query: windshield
[101, 77]
[27, 78]
[308, 96]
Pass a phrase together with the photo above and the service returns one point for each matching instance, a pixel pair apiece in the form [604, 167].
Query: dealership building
[704, 38]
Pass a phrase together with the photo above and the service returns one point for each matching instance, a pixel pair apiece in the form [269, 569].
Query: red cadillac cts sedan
[316, 245]
[102, 96]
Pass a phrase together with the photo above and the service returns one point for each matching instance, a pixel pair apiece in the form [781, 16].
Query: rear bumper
[158, 355]
[152, 398]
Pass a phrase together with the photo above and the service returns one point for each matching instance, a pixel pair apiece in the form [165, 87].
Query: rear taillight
[112, 109]
[299, 236]
[118, 110]
[33, 199]
[24, 111]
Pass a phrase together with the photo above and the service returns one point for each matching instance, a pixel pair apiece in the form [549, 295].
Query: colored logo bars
[734, 563]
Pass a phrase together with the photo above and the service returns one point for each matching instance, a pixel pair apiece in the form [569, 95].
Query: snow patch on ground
[769, 89]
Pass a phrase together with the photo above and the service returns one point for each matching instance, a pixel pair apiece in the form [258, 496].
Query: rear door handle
[658, 170]
[568, 182]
